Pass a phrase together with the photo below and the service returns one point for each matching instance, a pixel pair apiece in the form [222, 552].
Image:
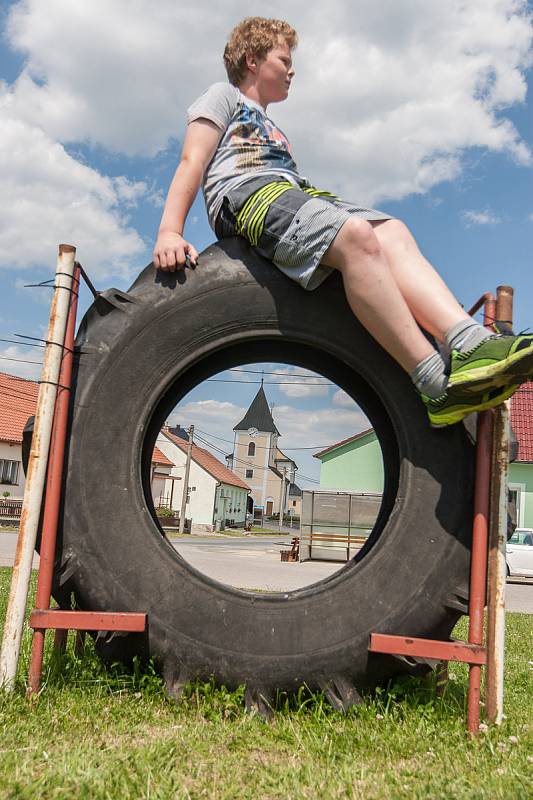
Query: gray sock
[429, 376]
[465, 335]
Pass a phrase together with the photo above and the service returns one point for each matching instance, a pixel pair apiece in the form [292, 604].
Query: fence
[334, 524]
[10, 510]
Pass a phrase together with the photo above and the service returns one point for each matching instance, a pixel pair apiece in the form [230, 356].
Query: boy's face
[275, 73]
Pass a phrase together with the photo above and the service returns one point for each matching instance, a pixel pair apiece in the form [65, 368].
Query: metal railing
[10, 509]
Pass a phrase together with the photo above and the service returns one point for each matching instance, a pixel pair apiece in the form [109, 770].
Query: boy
[252, 188]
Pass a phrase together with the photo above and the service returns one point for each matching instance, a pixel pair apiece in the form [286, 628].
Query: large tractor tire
[139, 353]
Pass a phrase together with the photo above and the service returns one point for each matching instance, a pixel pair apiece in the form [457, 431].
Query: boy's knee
[360, 235]
[394, 232]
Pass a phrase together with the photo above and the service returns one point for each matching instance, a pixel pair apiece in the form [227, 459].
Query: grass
[109, 733]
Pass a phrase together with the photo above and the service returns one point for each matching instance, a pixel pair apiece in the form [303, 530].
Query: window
[294, 502]
[523, 537]
[251, 449]
[249, 473]
[517, 492]
[9, 471]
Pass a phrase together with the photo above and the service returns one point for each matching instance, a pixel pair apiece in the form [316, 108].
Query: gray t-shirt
[251, 144]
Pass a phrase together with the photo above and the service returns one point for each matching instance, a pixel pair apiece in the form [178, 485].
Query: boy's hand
[171, 252]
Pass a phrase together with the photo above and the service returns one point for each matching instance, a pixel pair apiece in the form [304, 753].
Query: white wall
[13, 452]
[202, 499]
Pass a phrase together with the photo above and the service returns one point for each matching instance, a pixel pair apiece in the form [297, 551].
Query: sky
[417, 107]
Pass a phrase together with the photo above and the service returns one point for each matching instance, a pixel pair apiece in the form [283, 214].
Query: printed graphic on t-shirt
[256, 140]
[250, 127]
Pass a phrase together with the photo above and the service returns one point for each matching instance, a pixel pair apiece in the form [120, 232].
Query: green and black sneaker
[499, 360]
[454, 406]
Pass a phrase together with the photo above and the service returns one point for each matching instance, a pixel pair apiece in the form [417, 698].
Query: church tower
[257, 459]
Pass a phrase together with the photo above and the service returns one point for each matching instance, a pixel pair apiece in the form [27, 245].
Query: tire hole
[265, 434]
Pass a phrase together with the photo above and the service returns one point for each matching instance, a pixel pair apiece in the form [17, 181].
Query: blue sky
[423, 113]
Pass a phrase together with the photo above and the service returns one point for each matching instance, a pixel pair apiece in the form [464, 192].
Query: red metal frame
[428, 648]
[472, 652]
[87, 620]
[43, 617]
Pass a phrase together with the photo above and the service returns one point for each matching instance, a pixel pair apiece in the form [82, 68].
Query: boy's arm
[201, 142]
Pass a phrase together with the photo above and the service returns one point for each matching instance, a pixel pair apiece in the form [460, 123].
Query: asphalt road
[254, 562]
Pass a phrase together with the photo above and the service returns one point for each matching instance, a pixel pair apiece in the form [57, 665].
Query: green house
[355, 464]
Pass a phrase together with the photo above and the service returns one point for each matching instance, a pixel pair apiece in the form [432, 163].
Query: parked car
[520, 553]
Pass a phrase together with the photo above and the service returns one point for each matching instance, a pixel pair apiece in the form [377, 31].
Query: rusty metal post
[478, 562]
[35, 479]
[53, 488]
[494, 676]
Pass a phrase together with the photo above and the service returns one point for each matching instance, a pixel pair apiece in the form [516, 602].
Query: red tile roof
[206, 460]
[522, 420]
[160, 458]
[18, 401]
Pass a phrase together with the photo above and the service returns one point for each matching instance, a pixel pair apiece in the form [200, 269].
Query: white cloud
[386, 100]
[53, 198]
[530, 217]
[343, 399]
[480, 218]
[208, 415]
[303, 383]
[20, 361]
[319, 427]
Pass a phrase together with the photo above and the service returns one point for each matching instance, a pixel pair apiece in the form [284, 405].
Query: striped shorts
[289, 225]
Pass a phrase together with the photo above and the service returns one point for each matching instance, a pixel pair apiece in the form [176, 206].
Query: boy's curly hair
[255, 35]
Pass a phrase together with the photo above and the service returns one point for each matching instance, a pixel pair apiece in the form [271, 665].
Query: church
[257, 459]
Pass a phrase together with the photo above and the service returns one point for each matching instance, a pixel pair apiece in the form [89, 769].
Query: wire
[270, 383]
[307, 478]
[21, 360]
[247, 463]
[260, 446]
[24, 344]
[264, 372]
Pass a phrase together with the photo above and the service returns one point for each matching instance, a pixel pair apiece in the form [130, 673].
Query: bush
[165, 512]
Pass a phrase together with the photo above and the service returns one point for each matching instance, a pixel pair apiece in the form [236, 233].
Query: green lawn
[112, 734]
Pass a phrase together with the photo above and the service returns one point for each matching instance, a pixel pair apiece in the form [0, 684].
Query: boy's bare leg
[429, 299]
[374, 295]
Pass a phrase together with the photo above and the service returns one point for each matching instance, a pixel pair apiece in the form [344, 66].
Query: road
[253, 562]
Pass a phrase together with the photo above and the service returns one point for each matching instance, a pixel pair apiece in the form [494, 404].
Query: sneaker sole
[459, 412]
[515, 369]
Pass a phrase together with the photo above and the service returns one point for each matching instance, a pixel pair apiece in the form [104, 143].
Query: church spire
[258, 415]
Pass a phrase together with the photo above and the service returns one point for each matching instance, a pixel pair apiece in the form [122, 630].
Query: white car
[520, 553]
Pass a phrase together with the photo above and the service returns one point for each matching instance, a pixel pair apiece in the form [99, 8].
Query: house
[257, 459]
[216, 496]
[18, 400]
[295, 501]
[356, 463]
[160, 478]
[521, 469]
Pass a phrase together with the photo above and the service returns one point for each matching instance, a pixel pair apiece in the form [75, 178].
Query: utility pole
[282, 498]
[186, 481]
